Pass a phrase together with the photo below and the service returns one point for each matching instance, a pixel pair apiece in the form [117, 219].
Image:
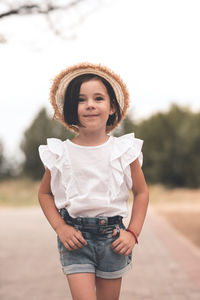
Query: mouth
[90, 116]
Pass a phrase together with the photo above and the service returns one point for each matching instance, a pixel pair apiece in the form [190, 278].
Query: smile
[91, 116]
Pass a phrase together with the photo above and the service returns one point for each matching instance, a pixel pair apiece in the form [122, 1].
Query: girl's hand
[124, 244]
[70, 237]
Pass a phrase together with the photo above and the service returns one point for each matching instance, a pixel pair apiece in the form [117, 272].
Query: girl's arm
[141, 198]
[126, 241]
[71, 238]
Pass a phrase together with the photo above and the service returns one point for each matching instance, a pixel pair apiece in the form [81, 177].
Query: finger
[67, 246]
[72, 244]
[114, 232]
[118, 247]
[116, 243]
[128, 252]
[123, 251]
[81, 238]
[77, 242]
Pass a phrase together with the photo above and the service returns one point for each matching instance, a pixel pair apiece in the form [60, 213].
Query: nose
[90, 103]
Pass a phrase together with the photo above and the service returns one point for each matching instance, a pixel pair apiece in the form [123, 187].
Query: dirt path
[166, 266]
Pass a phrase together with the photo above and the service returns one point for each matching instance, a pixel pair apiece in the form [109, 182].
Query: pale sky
[154, 45]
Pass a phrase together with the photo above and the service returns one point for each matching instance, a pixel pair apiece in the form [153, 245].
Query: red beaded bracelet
[136, 240]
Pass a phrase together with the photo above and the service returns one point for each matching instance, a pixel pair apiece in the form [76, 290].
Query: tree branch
[34, 8]
[54, 13]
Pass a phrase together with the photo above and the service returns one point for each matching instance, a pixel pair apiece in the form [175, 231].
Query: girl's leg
[82, 286]
[108, 289]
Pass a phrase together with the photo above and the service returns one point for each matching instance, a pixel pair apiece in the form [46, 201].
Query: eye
[81, 99]
[98, 98]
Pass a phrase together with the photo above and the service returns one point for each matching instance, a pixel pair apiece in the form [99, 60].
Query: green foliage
[171, 148]
[41, 128]
[1, 160]
[6, 169]
[126, 126]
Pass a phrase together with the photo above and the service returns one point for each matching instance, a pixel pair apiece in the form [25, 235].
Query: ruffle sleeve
[51, 154]
[55, 157]
[126, 149]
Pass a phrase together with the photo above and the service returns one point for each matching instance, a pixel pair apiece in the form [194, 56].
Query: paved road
[166, 266]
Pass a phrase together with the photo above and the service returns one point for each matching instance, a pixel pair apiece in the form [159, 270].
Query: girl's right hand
[70, 237]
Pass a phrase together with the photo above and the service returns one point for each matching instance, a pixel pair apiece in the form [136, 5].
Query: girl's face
[94, 105]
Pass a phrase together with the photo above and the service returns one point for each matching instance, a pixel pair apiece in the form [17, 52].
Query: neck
[92, 138]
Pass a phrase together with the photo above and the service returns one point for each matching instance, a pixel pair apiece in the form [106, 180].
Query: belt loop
[118, 230]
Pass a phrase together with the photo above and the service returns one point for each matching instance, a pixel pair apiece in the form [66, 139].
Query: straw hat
[62, 80]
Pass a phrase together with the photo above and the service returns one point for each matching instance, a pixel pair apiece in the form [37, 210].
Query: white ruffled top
[92, 181]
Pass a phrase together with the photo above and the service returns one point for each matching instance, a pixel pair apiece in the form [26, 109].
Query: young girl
[85, 188]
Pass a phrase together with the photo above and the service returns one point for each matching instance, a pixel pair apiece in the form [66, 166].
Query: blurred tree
[41, 128]
[192, 152]
[63, 17]
[126, 126]
[6, 168]
[171, 148]
[1, 159]
[154, 132]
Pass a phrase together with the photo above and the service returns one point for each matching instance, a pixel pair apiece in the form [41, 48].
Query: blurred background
[153, 45]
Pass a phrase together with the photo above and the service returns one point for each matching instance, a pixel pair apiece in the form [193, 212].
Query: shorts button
[102, 222]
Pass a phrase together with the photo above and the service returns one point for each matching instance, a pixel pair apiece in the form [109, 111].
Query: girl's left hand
[125, 242]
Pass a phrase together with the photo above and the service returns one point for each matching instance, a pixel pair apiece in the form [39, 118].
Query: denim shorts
[97, 256]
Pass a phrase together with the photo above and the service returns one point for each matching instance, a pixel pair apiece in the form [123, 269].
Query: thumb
[114, 232]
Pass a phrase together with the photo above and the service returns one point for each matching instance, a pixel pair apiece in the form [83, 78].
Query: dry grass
[159, 195]
[20, 192]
